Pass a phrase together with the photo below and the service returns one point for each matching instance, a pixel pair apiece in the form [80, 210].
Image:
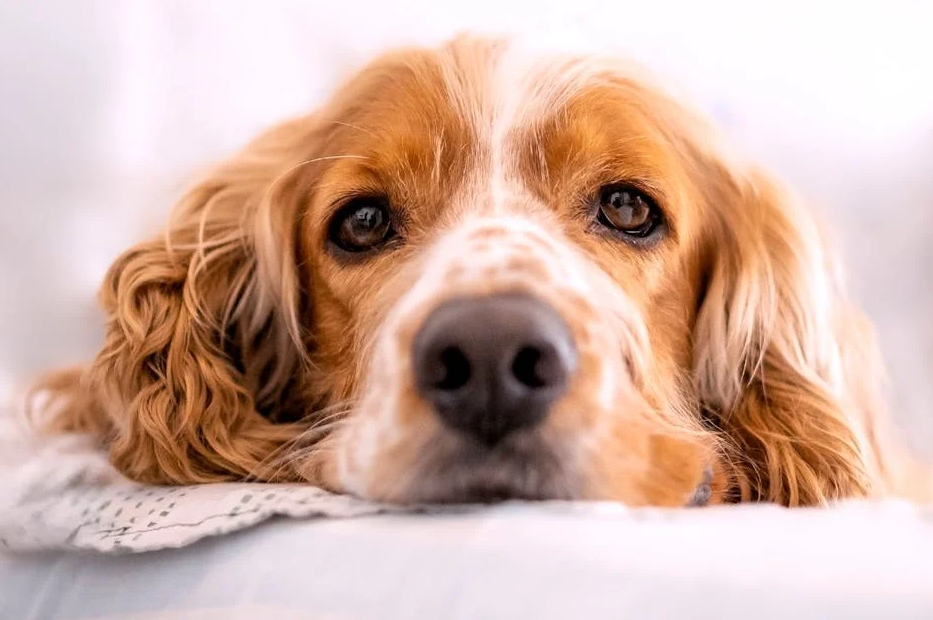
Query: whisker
[300, 455]
[351, 126]
[256, 473]
[325, 419]
[314, 160]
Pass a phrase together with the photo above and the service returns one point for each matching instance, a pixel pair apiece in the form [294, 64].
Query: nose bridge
[505, 254]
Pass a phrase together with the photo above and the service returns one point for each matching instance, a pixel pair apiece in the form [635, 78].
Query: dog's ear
[205, 327]
[779, 365]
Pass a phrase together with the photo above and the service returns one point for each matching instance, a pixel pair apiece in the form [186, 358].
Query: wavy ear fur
[784, 364]
[203, 338]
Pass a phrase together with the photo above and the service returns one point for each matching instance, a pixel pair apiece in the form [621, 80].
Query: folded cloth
[127, 517]
[59, 492]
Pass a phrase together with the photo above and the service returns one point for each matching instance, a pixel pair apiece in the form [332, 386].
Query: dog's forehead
[503, 90]
[508, 96]
[501, 86]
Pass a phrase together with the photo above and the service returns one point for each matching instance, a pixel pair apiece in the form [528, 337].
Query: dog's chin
[463, 471]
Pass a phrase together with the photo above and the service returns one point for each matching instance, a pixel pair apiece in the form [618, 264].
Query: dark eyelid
[338, 205]
[639, 186]
[343, 201]
[590, 204]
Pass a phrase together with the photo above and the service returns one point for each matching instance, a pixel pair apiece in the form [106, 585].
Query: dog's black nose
[492, 365]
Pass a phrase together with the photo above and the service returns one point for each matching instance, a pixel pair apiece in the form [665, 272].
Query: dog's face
[478, 274]
[504, 260]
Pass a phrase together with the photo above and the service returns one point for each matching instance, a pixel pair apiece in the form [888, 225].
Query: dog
[479, 273]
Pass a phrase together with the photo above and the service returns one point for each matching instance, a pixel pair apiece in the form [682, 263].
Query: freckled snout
[492, 365]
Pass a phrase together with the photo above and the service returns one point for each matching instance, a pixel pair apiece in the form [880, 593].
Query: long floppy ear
[783, 362]
[203, 342]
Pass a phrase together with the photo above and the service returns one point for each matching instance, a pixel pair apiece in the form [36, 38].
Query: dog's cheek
[684, 470]
[641, 461]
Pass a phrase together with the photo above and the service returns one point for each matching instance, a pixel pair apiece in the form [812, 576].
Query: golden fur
[239, 347]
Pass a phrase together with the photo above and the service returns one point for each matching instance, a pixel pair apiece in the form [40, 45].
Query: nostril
[532, 367]
[455, 369]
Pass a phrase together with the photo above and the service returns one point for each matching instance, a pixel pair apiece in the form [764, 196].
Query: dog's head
[480, 273]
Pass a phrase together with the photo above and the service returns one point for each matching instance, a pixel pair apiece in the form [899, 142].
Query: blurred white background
[107, 109]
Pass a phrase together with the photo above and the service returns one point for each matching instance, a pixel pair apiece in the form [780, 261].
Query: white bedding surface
[509, 561]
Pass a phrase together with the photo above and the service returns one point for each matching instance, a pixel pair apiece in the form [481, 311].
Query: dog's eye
[362, 224]
[628, 210]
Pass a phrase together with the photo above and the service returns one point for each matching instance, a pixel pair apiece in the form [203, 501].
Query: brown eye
[362, 224]
[628, 210]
